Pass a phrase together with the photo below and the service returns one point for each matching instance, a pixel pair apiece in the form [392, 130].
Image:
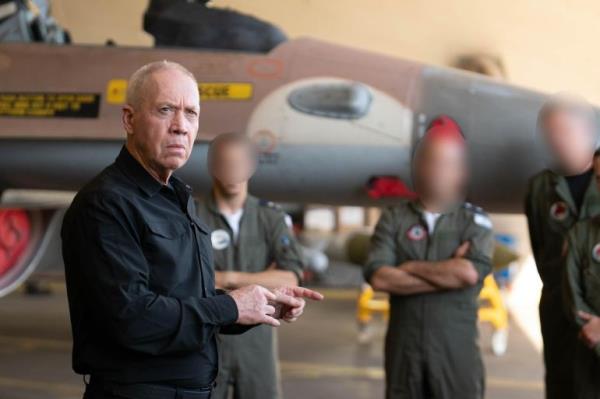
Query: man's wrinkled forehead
[174, 87]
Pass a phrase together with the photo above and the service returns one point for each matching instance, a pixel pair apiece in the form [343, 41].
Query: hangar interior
[336, 349]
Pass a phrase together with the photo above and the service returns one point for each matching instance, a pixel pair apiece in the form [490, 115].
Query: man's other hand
[590, 332]
[290, 303]
[253, 303]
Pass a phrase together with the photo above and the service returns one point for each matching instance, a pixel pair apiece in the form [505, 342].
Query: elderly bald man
[138, 261]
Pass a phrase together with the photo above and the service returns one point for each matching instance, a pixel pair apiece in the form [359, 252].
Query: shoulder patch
[220, 239]
[482, 220]
[269, 204]
[473, 208]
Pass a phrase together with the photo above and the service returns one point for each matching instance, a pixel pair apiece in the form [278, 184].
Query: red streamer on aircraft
[389, 186]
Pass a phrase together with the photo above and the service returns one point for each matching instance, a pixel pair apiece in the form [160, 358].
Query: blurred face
[441, 170]
[162, 129]
[232, 165]
[570, 140]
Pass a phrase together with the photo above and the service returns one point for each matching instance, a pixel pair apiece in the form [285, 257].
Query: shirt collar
[416, 205]
[561, 186]
[136, 172]
[251, 202]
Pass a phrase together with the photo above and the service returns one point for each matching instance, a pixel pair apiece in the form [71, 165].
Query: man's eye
[192, 112]
[164, 110]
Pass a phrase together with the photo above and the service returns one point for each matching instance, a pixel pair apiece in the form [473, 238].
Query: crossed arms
[385, 271]
[417, 277]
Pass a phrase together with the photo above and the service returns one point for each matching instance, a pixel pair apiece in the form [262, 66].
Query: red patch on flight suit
[559, 211]
[596, 252]
[416, 233]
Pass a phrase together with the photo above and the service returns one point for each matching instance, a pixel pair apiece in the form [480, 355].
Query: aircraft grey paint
[327, 119]
[321, 162]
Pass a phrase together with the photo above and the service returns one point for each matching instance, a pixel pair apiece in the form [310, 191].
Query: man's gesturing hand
[289, 302]
[590, 332]
[253, 305]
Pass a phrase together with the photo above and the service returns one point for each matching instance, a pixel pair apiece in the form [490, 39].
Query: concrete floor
[320, 356]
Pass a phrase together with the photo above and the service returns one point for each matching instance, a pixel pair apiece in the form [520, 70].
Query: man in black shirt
[140, 282]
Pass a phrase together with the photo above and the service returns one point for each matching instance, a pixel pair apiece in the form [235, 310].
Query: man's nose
[178, 123]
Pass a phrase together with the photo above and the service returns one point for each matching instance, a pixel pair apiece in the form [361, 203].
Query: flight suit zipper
[427, 297]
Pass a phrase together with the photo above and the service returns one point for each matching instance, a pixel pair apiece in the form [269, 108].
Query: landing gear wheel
[500, 342]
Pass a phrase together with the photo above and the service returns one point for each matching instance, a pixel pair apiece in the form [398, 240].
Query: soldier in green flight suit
[583, 299]
[431, 255]
[557, 198]
[252, 244]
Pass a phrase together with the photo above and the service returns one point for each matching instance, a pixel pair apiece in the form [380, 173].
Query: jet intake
[25, 235]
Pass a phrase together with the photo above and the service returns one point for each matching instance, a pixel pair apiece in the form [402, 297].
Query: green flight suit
[551, 212]
[431, 346]
[583, 293]
[248, 362]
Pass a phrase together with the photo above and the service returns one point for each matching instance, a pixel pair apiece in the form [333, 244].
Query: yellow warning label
[116, 91]
[117, 88]
[46, 105]
[225, 91]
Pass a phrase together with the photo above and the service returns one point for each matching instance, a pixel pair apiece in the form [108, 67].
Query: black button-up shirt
[140, 280]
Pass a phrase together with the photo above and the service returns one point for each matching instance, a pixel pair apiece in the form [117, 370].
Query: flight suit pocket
[561, 217]
[254, 255]
[411, 243]
[448, 242]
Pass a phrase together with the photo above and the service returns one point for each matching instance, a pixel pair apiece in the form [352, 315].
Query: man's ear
[127, 118]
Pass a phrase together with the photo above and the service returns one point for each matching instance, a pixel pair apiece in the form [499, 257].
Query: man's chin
[174, 162]
[232, 192]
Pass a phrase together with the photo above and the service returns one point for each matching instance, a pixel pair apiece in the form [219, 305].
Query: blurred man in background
[583, 299]
[557, 198]
[252, 244]
[431, 255]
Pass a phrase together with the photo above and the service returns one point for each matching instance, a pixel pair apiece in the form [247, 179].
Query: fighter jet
[334, 125]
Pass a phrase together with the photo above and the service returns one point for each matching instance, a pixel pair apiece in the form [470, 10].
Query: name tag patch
[559, 211]
[416, 233]
[220, 239]
[482, 220]
[596, 252]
